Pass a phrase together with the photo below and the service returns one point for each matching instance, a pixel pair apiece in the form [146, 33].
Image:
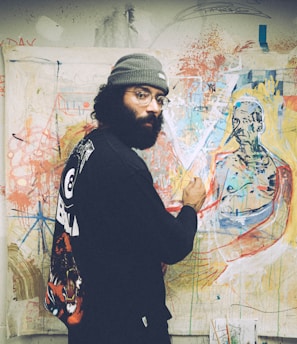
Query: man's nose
[154, 106]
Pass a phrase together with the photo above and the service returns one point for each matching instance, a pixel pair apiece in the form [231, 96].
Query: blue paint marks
[263, 37]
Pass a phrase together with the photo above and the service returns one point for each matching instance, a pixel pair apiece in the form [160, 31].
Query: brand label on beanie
[161, 76]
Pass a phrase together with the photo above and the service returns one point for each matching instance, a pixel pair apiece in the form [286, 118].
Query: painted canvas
[231, 120]
[233, 331]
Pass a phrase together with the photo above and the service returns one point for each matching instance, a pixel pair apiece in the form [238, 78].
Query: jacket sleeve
[169, 237]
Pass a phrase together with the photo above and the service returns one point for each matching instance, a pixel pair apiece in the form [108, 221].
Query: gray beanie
[138, 69]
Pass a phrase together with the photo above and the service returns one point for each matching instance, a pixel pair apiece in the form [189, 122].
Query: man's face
[141, 116]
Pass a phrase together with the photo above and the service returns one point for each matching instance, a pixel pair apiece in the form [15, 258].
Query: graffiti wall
[231, 120]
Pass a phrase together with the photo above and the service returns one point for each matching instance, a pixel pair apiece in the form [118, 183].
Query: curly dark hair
[107, 102]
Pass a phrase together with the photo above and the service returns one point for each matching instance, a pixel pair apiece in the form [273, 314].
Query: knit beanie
[138, 69]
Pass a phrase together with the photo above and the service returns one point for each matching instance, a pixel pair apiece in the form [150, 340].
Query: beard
[140, 133]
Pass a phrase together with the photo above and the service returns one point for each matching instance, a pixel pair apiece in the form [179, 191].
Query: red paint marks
[204, 57]
[35, 166]
[245, 46]
[2, 85]
[207, 56]
[2, 190]
[20, 42]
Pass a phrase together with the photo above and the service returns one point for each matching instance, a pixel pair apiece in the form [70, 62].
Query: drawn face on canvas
[247, 121]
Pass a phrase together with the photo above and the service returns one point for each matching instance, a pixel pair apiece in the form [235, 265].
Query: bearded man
[112, 231]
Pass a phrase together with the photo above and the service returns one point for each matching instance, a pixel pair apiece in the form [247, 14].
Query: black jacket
[121, 232]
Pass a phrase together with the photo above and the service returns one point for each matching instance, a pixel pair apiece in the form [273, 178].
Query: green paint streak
[234, 340]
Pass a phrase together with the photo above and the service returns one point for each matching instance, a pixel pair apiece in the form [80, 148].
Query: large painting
[231, 120]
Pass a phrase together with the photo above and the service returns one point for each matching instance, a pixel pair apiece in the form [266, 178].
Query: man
[110, 217]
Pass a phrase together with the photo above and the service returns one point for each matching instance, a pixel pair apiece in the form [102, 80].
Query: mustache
[152, 119]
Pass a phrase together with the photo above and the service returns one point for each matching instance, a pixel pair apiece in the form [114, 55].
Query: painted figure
[250, 191]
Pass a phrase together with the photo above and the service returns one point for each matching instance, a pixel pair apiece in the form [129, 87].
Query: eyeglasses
[144, 98]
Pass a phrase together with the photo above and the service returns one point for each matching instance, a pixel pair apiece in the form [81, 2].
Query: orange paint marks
[284, 45]
[28, 125]
[291, 102]
[262, 188]
[209, 56]
[204, 57]
[41, 172]
[20, 200]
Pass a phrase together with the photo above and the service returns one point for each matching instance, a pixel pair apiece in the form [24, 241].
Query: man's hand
[194, 194]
